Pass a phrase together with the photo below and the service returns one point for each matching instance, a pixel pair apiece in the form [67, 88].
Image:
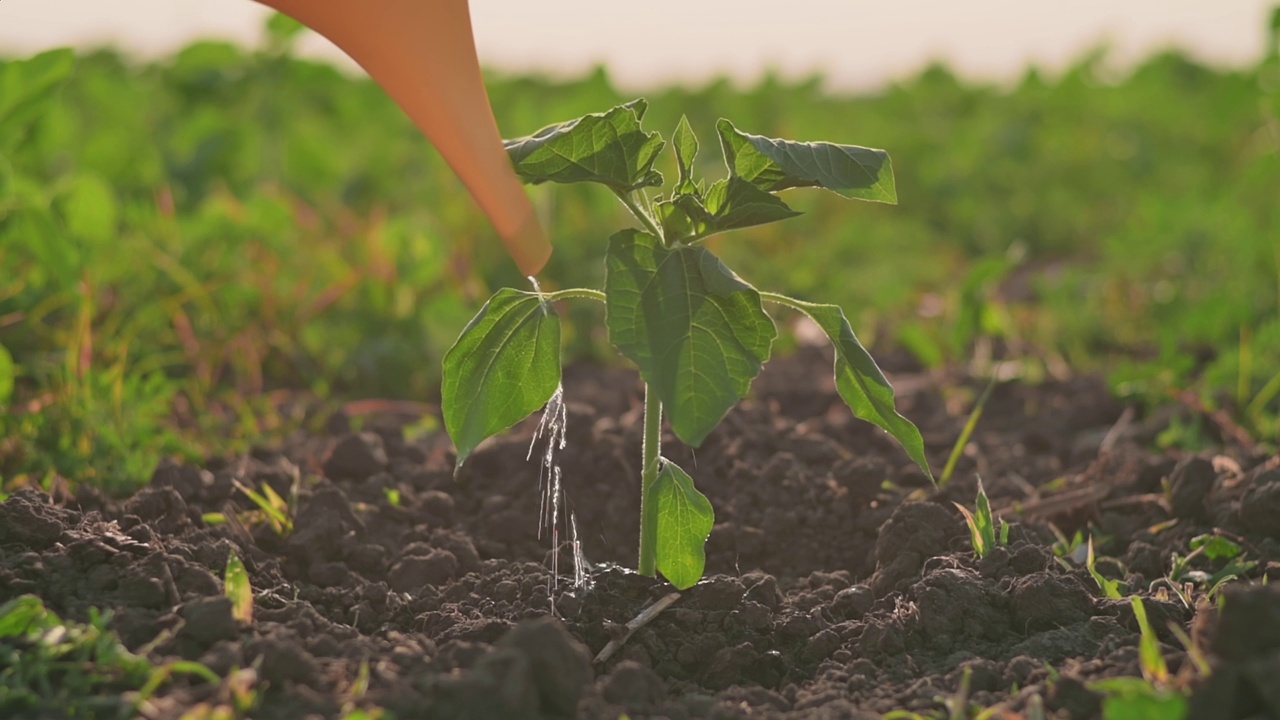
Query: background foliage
[184, 244]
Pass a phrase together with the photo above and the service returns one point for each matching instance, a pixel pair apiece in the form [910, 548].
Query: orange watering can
[423, 54]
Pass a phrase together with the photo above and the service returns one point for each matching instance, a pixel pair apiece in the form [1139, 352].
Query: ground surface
[838, 585]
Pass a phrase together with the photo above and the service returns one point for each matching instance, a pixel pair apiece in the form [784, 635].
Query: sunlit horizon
[988, 40]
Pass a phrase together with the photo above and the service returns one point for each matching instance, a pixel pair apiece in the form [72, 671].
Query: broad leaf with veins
[772, 165]
[696, 330]
[504, 367]
[608, 148]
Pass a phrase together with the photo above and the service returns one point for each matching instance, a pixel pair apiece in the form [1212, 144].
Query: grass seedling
[1153, 665]
[982, 526]
[1150, 696]
[698, 333]
[236, 585]
[1195, 653]
[1110, 588]
[277, 510]
[272, 508]
[1128, 698]
[965, 434]
[1065, 550]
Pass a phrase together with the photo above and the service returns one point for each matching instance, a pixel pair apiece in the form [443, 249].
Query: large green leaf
[21, 615]
[7, 375]
[695, 329]
[27, 86]
[504, 366]
[90, 210]
[608, 148]
[772, 165]
[685, 519]
[860, 382]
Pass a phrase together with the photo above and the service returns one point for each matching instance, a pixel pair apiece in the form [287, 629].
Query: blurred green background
[187, 245]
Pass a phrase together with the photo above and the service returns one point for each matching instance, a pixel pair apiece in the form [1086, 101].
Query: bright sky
[856, 43]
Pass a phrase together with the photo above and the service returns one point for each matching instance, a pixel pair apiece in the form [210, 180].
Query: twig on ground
[636, 623]
[1117, 431]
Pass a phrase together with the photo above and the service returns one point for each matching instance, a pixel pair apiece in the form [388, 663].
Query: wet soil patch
[839, 584]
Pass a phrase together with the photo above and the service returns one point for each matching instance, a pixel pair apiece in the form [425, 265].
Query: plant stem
[652, 450]
[783, 300]
[576, 293]
[639, 213]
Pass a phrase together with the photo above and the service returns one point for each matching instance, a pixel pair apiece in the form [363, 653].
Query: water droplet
[552, 429]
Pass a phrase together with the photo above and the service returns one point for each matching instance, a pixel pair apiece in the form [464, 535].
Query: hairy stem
[652, 450]
[639, 213]
[782, 300]
[576, 294]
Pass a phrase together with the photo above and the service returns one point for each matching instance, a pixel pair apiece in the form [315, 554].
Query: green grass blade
[1154, 668]
[1110, 588]
[238, 589]
[965, 434]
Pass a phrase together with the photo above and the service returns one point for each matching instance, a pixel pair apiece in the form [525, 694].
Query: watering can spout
[423, 54]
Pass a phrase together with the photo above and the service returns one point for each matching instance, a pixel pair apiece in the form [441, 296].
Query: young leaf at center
[686, 146]
[685, 519]
[692, 214]
[505, 365]
[696, 330]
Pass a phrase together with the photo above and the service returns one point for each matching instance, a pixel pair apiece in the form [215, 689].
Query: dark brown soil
[839, 585]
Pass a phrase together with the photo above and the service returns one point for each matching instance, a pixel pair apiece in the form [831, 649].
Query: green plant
[1213, 548]
[1150, 697]
[698, 332]
[1067, 550]
[49, 666]
[1133, 698]
[966, 434]
[982, 525]
[1110, 588]
[238, 590]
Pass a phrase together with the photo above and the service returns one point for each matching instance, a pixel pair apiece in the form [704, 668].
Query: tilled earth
[839, 584]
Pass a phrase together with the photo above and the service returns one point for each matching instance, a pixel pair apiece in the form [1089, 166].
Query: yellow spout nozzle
[423, 54]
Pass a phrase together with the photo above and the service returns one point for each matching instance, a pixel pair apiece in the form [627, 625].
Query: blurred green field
[185, 242]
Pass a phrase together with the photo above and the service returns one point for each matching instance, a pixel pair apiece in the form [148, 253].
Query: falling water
[553, 427]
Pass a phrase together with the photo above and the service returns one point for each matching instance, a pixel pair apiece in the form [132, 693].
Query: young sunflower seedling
[698, 333]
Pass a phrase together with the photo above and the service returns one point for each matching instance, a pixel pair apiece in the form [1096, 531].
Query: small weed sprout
[1110, 588]
[238, 590]
[276, 510]
[983, 532]
[1213, 548]
[698, 333]
[1153, 694]
[971, 424]
[1065, 550]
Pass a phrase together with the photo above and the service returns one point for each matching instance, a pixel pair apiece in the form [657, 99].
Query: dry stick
[1229, 427]
[1113, 435]
[638, 622]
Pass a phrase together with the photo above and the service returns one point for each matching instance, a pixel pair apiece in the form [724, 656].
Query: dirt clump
[839, 584]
